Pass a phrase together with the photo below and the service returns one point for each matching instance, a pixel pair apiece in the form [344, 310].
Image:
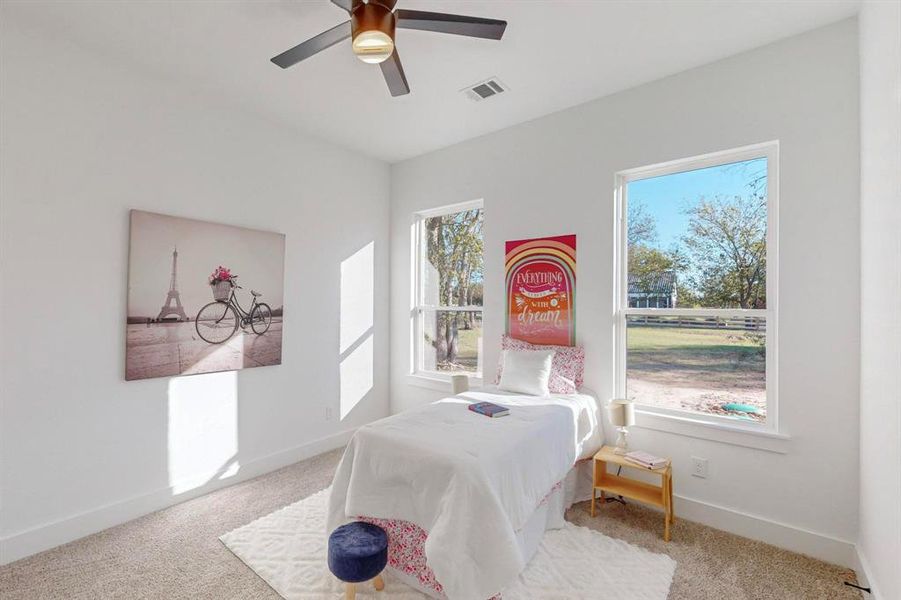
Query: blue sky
[665, 198]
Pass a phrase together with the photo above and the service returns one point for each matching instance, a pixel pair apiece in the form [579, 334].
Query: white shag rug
[288, 550]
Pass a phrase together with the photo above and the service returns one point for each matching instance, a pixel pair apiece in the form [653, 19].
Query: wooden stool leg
[379, 583]
[672, 509]
[666, 507]
[594, 494]
[351, 591]
[664, 485]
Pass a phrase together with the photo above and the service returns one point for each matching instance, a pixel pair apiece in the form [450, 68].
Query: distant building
[652, 291]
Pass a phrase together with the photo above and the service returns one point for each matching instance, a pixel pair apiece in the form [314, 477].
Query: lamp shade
[372, 26]
[621, 413]
[460, 383]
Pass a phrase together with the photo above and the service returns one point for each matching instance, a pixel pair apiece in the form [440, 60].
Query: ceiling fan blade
[491, 29]
[394, 75]
[324, 40]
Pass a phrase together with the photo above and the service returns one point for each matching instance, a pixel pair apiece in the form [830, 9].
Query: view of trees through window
[451, 292]
[698, 240]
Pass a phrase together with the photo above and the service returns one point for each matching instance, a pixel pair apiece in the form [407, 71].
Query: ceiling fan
[372, 27]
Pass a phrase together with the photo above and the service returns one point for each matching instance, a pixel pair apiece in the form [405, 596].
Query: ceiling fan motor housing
[372, 16]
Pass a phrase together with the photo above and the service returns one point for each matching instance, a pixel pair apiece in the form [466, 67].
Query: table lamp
[460, 383]
[622, 415]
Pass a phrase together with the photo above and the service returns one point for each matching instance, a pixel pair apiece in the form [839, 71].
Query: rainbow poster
[541, 290]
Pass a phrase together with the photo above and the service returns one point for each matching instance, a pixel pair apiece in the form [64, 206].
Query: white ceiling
[555, 54]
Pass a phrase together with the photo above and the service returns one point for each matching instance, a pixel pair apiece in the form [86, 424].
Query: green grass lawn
[650, 347]
[693, 347]
[650, 337]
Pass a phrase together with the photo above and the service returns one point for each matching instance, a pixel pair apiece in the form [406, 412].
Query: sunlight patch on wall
[356, 375]
[204, 357]
[203, 429]
[357, 296]
[357, 318]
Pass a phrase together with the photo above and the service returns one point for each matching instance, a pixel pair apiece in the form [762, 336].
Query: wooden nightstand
[618, 485]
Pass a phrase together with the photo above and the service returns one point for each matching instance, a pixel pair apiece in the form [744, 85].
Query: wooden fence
[725, 323]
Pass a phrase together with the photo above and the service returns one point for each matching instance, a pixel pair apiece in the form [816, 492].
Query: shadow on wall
[356, 336]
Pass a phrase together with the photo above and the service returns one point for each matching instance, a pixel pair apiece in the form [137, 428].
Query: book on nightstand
[489, 409]
[646, 460]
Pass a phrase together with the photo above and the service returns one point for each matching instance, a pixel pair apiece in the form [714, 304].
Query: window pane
[452, 341]
[706, 364]
[697, 239]
[452, 269]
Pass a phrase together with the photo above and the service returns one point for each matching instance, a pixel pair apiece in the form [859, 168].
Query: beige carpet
[176, 553]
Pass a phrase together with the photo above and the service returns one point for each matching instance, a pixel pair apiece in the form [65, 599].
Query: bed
[466, 498]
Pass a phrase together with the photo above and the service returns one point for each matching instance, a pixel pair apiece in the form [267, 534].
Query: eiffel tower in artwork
[173, 296]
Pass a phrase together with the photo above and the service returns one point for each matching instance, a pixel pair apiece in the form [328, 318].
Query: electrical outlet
[328, 413]
[698, 466]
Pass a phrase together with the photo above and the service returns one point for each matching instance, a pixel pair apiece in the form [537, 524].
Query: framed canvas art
[541, 290]
[202, 297]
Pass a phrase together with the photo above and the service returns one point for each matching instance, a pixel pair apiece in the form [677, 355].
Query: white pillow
[526, 371]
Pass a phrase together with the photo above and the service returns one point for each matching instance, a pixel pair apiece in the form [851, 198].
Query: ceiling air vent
[485, 89]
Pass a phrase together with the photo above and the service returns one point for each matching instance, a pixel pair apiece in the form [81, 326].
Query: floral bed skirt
[406, 549]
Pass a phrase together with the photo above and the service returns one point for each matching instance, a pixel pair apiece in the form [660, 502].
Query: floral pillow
[567, 367]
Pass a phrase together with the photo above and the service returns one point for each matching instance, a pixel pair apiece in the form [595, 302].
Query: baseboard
[37, 539]
[862, 567]
[782, 535]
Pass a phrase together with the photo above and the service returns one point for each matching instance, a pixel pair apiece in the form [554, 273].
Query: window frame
[770, 151]
[434, 379]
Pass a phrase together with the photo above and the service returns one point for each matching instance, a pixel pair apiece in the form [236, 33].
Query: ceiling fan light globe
[373, 46]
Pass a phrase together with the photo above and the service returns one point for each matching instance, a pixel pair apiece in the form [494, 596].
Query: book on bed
[489, 409]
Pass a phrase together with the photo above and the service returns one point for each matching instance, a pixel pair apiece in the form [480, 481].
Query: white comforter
[468, 480]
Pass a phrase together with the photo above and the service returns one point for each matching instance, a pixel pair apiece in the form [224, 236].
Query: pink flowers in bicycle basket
[221, 274]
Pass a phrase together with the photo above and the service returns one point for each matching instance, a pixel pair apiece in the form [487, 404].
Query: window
[696, 287]
[447, 319]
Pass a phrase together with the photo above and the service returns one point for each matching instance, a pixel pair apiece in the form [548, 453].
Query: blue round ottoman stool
[358, 552]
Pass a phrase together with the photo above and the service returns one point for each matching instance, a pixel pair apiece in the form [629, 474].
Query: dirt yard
[697, 369]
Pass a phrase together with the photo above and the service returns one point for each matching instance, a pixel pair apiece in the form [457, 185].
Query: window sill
[725, 433]
[438, 381]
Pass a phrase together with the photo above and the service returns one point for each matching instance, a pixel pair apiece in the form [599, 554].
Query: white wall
[880, 307]
[85, 139]
[555, 176]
